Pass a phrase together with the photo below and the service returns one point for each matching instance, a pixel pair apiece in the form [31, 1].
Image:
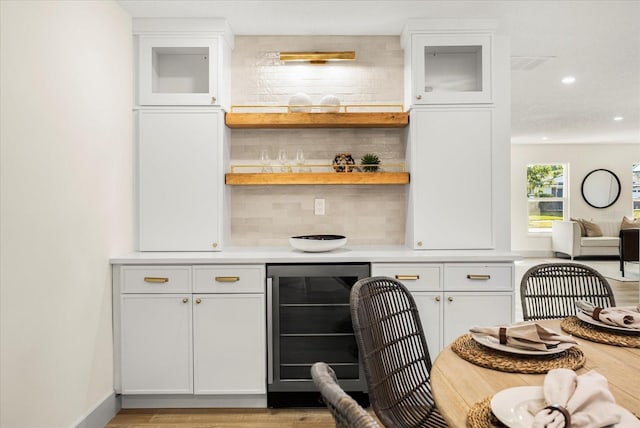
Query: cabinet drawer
[229, 279]
[415, 276]
[156, 279]
[474, 277]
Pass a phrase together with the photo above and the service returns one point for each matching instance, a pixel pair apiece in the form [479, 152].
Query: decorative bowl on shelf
[317, 243]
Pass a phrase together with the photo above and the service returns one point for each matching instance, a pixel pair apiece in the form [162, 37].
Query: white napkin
[618, 316]
[525, 336]
[586, 398]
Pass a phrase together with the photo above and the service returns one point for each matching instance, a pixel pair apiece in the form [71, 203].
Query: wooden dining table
[458, 384]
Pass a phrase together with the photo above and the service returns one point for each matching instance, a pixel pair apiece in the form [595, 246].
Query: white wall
[66, 204]
[581, 158]
[268, 216]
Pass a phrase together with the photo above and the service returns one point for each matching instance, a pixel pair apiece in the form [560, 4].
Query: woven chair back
[550, 290]
[346, 411]
[394, 353]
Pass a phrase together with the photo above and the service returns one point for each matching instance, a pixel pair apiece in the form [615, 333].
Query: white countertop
[395, 254]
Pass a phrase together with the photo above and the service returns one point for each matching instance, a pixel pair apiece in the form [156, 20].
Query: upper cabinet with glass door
[183, 61]
[448, 63]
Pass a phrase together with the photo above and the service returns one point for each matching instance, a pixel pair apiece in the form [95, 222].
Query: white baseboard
[101, 414]
[192, 401]
[536, 254]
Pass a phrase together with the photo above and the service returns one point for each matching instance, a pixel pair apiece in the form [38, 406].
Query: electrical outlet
[318, 206]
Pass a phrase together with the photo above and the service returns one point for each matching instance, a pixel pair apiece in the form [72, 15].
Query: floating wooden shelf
[317, 120]
[268, 179]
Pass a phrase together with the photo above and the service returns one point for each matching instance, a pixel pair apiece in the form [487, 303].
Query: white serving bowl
[317, 243]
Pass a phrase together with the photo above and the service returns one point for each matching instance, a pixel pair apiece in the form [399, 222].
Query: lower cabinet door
[465, 310]
[156, 344]
[430, 310]
[229, 344]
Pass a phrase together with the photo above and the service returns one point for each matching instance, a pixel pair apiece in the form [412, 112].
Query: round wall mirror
[600, 188]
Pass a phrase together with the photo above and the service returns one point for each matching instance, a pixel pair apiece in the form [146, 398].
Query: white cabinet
[451, 165]
[229, 355]
[448, 62]
[453, 297]
[156, 344]
[208, 343]
[180, 179]
[463, 310]
[183, 61]
[425, 283]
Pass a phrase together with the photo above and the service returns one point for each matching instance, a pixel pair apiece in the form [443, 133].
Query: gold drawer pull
[479, 277]
[155, 279]
[407, 277]
[227, 278]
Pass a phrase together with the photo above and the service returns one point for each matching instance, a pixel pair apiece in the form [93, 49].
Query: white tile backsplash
[268, 215]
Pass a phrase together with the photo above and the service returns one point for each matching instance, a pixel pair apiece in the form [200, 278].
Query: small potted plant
[370, 162]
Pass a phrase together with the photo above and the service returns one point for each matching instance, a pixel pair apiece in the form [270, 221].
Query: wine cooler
[309, 320]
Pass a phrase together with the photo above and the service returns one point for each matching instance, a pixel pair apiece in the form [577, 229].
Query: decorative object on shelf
[370, 162]
[330, 104]
[343, 162]
[317, 243]
[300, 103]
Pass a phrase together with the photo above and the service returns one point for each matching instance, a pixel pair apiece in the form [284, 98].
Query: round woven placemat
[480, 415]
[587, 331]
[482, 356]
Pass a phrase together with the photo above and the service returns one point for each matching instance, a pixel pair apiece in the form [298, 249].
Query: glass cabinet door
[175, 71]
[451, 69]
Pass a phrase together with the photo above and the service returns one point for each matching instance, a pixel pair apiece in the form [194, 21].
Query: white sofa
[566, 238]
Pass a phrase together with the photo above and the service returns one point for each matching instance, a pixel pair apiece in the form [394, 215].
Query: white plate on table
[589, 320]
[510, 405]
[494, 343]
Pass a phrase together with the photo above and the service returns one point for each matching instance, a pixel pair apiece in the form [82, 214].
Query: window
[635, 193]
[546, 196]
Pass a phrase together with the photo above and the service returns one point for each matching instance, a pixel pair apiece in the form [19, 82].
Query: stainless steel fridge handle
[269, 331]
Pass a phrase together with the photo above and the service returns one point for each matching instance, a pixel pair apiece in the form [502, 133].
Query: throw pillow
[583, 231]
[630, 223]
[592, 228]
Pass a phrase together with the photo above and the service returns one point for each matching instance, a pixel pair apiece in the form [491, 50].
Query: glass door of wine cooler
[310, 320]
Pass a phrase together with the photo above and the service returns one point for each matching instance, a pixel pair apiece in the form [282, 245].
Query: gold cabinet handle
[478, 277]
[227, 278]
[155, 279]
[418, 97]
[450, 299]
[407, 277]
[437, 298]
[185, 300]
[198, 301]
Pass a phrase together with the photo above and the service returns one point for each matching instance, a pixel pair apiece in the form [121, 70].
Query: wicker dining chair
[394, 352]
[550, 290]
[346, 411]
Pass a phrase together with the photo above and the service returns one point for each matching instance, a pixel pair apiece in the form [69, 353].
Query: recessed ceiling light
[618, 118]
[544, 138]
[568, 80]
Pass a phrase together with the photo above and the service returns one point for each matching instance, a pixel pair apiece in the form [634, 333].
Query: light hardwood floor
[626, 294]
[222, 418]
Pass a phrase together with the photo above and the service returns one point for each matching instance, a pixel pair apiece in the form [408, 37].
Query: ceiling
[598, 42]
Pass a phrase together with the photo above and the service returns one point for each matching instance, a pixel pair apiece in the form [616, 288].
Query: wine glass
[300, 160]
[264, 160]
[282, 160]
